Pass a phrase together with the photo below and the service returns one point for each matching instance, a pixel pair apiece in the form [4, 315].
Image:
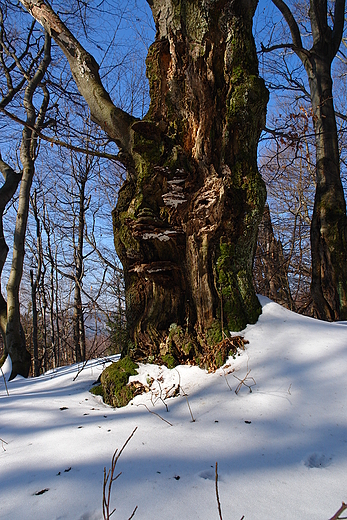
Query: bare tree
[14, 339]
[288, 168]
[186, 218]
[35, 283]
[329, 221]
[270, 267]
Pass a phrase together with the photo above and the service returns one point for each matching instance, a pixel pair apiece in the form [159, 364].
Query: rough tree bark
[329, 221]
[186, 220]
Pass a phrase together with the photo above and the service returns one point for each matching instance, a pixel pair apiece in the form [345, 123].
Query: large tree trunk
[10, 326]
[7, 191]
[15, 339]
[186, 219]
[329, 222]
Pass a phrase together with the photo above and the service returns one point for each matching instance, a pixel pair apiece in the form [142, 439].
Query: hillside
[281, 449]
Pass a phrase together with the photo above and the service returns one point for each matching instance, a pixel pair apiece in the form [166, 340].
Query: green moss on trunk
[114, 380]
[186, 223]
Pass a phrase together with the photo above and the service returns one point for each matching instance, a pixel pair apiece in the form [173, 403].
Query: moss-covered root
[209, 352]
[114, 386]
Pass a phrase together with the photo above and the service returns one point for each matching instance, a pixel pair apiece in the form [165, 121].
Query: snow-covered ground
[281, 449]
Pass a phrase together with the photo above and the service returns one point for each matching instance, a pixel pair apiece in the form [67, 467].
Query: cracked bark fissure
[186, 219]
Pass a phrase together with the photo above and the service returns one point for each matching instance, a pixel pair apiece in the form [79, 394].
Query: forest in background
[72, 292]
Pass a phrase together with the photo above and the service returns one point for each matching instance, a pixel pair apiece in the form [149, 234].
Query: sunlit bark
[186, 220]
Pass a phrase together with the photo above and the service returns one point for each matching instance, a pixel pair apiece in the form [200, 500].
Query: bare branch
[289, 18]
[277, 47]
[58, 142]
[339, 19]
[85, 71]
[341, 116]
[341, 510]
[154, 413]
[319, 22]
[217, 493]
[109, 478]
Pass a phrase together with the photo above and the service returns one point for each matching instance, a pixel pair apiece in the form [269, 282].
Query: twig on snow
[190, 410]
[158, 396]
[243, 382]
[185, 395]
[337, 514]
[154, 413]
[225, 376]
[109, 478]
[2, 443]
[85, 362]
[217, 493]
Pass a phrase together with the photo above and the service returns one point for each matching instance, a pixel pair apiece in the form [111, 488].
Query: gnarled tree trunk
[186, 220]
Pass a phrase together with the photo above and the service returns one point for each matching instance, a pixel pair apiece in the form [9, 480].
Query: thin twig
[84, 363]
[3, 375]
[2, 443]
[133, 514]
[337, 514]
[173, 387]
[109, 478]
[225, 377]
[243, 382]
[217, 493]
[154, 413]
[58, 142]
[185, 395]
[158, 396]
[190, 410]
[90, 357]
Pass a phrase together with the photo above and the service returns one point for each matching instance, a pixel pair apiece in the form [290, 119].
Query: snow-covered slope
[281, 449]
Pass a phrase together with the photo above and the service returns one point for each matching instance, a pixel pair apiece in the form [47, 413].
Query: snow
[281, 449]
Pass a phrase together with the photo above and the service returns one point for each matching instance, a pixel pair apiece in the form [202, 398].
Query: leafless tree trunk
[15, 341]
[80, 173]
[329, 221]
[7, 191]
[186, 220]
[35, 283]
[14, 336]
